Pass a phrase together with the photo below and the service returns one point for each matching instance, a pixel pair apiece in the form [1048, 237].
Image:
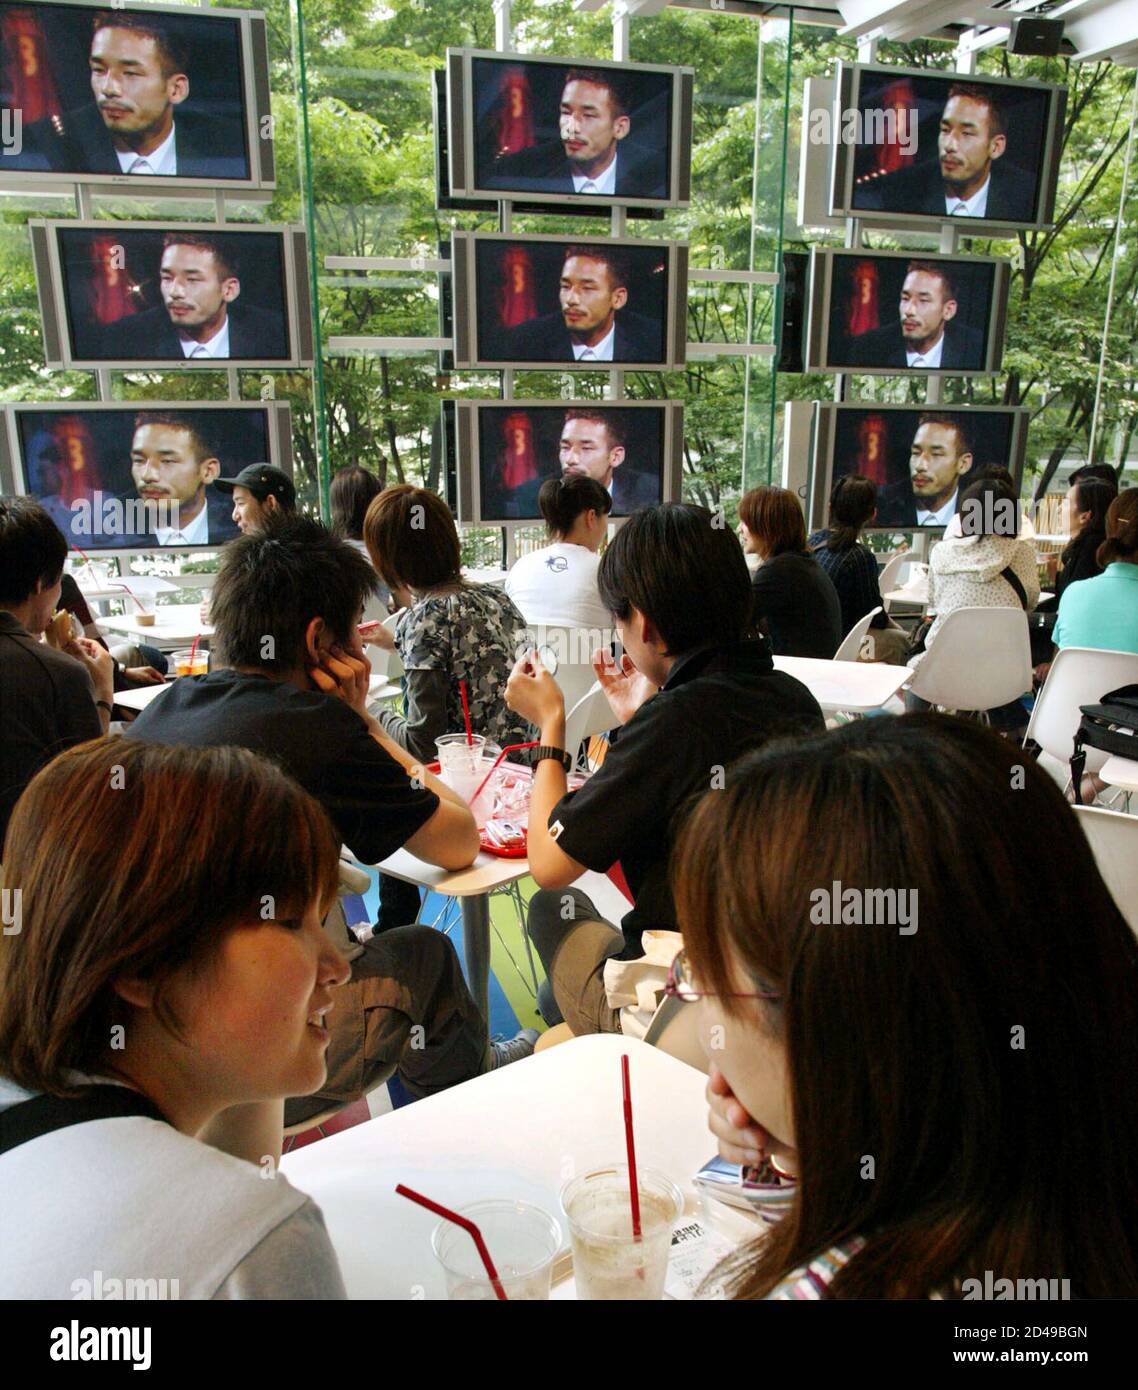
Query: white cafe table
[852, 686]
[521, 1133]
[1121, 772]
[472, 886]
[142, 697]
[176, 625]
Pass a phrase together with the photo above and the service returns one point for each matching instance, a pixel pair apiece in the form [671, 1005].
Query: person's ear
[645, 629]
[950, 307]
[965, 463]
[619, 297]
[230, 288]
[211, 468]
[178, 88]
[134, 991]
[616, 456]
[997, 145]
[621, 126]
[316, 640]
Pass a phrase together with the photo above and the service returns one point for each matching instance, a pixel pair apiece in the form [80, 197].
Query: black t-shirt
[797, 606]
[316, 738]
[717, 704]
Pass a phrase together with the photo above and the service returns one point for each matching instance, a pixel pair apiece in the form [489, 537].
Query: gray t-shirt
[132, 1199]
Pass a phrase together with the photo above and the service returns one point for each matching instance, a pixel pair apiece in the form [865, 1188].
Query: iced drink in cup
[608, 1261]
[523, 1242]
[191, 663]
[465, 766]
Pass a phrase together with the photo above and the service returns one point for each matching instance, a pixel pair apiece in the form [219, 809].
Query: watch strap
[546, 750]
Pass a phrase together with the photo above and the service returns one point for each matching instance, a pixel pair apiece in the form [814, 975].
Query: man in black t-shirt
[692, 696]
[285, 610]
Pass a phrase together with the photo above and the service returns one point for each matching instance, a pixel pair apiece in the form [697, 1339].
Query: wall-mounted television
[154, 98]
[505, 450]
[588, 303]
[152, 294]
[568, 131]
[895, 312]
[139, 475]
[912, 145]
[921, 457]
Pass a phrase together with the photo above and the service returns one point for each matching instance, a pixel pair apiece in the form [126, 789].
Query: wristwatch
[547, 751]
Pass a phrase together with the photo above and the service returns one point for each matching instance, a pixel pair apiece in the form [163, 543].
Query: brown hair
[986, 97]
[171, 50]
[134, 859]
[852, 504]
[562, 500]
[225, 261]
[773, 515]
[933, 268]
[980, 1061]
[1121, 530]
[411, 538]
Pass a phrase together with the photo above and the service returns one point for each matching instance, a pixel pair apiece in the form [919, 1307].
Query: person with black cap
[257, 491]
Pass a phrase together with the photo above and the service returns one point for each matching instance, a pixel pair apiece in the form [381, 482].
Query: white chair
[675, 1030]
[383, 662]
[1078, 676]
[1113, 839]
[850, 649]
[891, 570]
[592, 714]
[980, 658]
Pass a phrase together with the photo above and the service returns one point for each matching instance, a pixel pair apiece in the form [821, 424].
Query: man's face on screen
[133, 96]
[589, 299]
[936, 461]
[587, 450]
[967, 145]
[925, 309]
[195, 290]
[166, 468]
[590, 126]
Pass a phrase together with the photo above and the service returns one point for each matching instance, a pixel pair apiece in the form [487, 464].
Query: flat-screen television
[507, 449]
[566, 131]
[920, 457]
[793, 307]
[894, 312]
[917, 146]
[588, 303]
[139, 475]
[154, 97]
[149, 294]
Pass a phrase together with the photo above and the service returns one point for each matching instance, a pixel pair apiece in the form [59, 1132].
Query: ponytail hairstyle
[563, 500]
[852, 503]
[1121, 530]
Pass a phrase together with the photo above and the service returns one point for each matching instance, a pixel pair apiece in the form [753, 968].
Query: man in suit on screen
[135, 123]
[939, 457]
[173, 466]
[970, 177]
[594, 153]
[593, 444]
[594, 323]
[200, 315]
[926, 335]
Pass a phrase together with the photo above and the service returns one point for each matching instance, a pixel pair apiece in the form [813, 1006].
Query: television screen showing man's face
[133, 83]
[938, 457]
[196, 287]
[169, 466]
[589, 297]
[927, 304]
[587, 448]
[591, 125]
[968, 143]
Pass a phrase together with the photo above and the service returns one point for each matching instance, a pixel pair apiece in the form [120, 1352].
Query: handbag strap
[44, 1114]
[1014, 580]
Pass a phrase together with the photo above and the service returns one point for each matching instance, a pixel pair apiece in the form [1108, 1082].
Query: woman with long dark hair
[926, 1006]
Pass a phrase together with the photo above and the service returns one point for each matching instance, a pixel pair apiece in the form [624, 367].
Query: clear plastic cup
[608, 1262]
[465, 767]
[188, 662]
[523, 1241]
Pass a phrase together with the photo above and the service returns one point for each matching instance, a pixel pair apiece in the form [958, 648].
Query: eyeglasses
[681, 986]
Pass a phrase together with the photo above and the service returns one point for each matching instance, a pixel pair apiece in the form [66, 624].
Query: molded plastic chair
[850, 649]
[1078, 676]
[592, 714]
[1113, 839]
[675, 1030]
[891, 570]
[383, 662]
[980, 658]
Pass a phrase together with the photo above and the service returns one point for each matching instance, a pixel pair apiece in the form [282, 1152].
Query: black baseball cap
[262, 480]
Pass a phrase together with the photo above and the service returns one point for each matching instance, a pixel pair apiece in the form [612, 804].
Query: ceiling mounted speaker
[1036, 37]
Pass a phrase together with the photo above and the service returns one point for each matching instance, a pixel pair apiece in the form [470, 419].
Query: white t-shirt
[557, 587]
[133, 1199]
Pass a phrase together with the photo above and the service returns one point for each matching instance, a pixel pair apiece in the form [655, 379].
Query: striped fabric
[813, 1280]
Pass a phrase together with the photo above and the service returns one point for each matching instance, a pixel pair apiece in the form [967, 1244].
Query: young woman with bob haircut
[166, 990]
[954, 1086]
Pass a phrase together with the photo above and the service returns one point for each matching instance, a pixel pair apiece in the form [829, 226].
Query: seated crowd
[183, 982]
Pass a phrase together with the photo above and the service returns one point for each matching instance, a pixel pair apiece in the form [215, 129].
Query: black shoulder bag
[1111, 726]
[29, 1119]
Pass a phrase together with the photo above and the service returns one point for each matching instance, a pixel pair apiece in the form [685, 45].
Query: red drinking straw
[467, 1225]
[509, 748]
[466, 714]
[630, 1142]
[193, 648]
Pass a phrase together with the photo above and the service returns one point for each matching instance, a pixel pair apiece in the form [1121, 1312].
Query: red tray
[499, 851]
